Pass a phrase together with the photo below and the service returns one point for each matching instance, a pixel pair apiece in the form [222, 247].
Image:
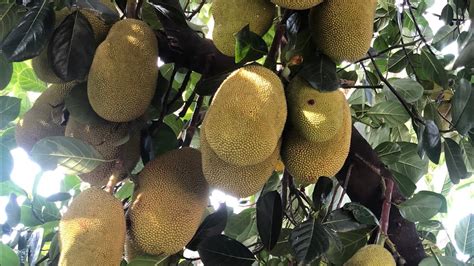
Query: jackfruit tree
[343, 131]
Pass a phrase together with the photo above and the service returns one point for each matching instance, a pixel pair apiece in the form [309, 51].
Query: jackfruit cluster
[45, 117]
[242, 129]
[231, 16]
[317, 138]
[170, 197]
[92, 231]
[297, 4]
[118, 143]
[123, 75]
[342, 29]
[371, 255]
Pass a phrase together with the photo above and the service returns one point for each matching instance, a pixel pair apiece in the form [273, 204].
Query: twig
[197, 10]
[386, 206]
[270, 61]
[417, 27]
[346, 183]
[187, 104]
[181, 90]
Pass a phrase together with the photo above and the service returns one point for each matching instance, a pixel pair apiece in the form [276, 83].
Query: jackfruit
[231, 16]
[44, 118]
[297, 4]
[92, 231]
[169, 200]
[342, 29]
[307, 160]
[247, 116]
[239, 181]
[123, 75]
[107, 139]
[371, 255]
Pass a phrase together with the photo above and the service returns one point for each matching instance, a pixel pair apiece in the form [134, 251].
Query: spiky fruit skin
[297, 4]
[371, 255]
[345, 39]
[305, 159]
[92, 231]
[122, 78]
[247, 116]
[231, 16]
[239, 181]
[44, 118]
[169, 200]
[106, 139]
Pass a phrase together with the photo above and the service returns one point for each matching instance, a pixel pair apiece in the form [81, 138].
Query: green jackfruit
[92, 231]
[247, 116]
[45, 117]
[108, 140]
[297, 4]
[343, 29]
[371, 255]
[231, 16]
[239, 181]
[123, 75]
[169, 200]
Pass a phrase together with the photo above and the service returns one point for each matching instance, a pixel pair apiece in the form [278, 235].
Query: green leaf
[78, 106]
[8, 256]
[342, 220]
[410, 164]
[126, 190]
[445, 35]
[9, 110]
[249, 46]
[8, 187]
[431, 141]
[398, 61]
[237, 224]
[149, 261]
[409, 89]
[441, 260]
[463, 107]
[422, 206]
[6, 71]
[223, 250]
[13, 211]
[73, 155]
[389, 152]
[455, 161]
[283, 246]
[269, 218]
[468, 149]
[164, 140]
[309, 241]
[464, 235]
[27, 80]
[350, 243]
[320, 72]
[6, 161]
[434, 68]
[361, 213]
[10, 15]
[405, 184]
[390, 113]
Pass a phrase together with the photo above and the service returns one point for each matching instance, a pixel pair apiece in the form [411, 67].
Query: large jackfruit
[44, 119]
[123, 75]
[247, 116]
[343, 29]
[108, 140]
[371, 255]
[239, 181]
[307, 160]
[231, 16]
[297, 4]
[92, 231]
[169, 200]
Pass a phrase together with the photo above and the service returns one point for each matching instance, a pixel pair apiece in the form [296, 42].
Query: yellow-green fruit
[44, 118]
[317, 116]
[297, 4]
[343, 29]
[169, 200]
[239, 181]
[123, 75]
[371, 255]
[108, 140]
[231, 16]
[92, 231]
[247, 116]
[307, 160]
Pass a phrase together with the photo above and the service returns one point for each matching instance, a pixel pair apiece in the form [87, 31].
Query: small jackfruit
[44, 119]
[92, 231]
[371, 255]
[247, 116]
[342, 29]
[107, 139]
[239, 181]
[169, 200]
[122, 78]
[297, 4]
[231, 16]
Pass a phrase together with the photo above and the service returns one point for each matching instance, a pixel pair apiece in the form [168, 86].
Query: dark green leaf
[455, 161]
[8, 256]
[321, 191]
[441, 260]
[342, 220]
[78, 106]
[97, 6]
[60, 196]
[53, 251]
[223, 250]
[422, 206]
[213, 225]
[390, 113]
[13, 211]
[320, 72]
[434, 68]
[410, 163]
[72, 47]
[73, 155]
[405, 184]
[209, 85]
[272, 184]
[466, 56]
[409, 89]
[447, 14]
[237, 224]
[269, 218]
[389, 152]
[309, 241]
[35, 242]
[249, 46]
[346, 245]
[164, 140]
[9, 110]
[464, 235]
[283, 246]
[6, 71]
[6, 161]
[398, 61]
[169, 11]
[10, 14]
[445, 36]
[147, 260]
[31, 35]
[463, 107]
[361, 213]
[431, 141]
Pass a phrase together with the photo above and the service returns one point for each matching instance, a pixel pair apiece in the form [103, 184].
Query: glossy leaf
[422, 206]
[249, 46]
[60, 196]
[389, 152]
[9, 110]
[455, 161]
[320, 72]
[6, 72]
[78, 106]
[464, 235]
[223, 250]
[269, 218]
[309, 241]
[35, 242]
[213, 225]
[99, 7]
[463, 107]
[342, 220]
[431, 141]
[346, 245]
[6, 161]
[209, 85]
[398, 61]
[361, 213]
[8, 256]
[409, 89]
[321, 191]
[390, 113]
[410, 164]
[164, 140]
[10, 14]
